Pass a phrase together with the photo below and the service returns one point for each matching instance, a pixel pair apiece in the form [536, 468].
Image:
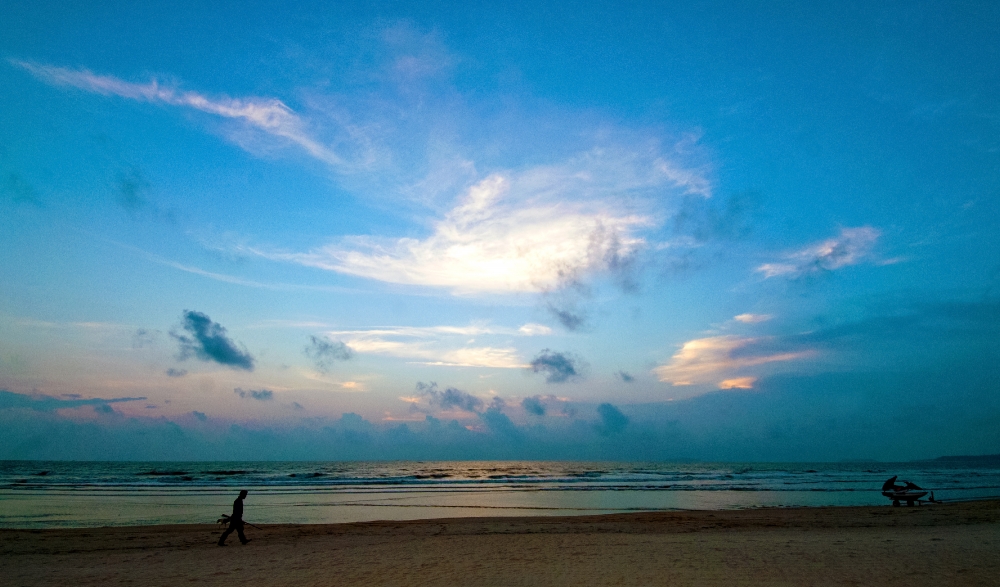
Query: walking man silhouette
[235, 521]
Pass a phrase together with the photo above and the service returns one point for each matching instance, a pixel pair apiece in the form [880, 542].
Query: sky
[417, 230]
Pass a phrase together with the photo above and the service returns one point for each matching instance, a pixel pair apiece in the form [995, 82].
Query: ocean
[46, 494]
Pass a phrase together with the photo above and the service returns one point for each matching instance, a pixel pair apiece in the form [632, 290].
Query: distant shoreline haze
[39, 494]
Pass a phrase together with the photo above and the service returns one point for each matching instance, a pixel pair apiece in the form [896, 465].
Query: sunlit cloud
[718, 359]
[497, 358]
[850, 247]
[483, 246]
[268, 115]
[535, 230]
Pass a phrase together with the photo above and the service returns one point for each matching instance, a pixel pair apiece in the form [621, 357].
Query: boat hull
[912, 495]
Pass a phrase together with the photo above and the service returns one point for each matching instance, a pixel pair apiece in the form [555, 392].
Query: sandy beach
[948, 544]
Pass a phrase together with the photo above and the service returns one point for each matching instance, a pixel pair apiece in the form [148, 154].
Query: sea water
[39, 494]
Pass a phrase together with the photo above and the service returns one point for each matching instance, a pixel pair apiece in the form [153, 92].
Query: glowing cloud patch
[705, 360]
[738, 383]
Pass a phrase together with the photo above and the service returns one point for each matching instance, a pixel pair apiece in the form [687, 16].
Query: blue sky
[710, 230]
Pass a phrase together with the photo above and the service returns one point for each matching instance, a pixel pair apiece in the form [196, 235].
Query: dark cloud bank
[828, 417]
[945, 401]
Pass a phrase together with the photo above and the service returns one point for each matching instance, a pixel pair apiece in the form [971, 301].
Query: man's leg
[229, 530]
[239, 532]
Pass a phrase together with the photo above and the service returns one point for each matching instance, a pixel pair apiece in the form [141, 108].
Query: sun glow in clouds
[486, 246]
[529, 231]
[532, 230]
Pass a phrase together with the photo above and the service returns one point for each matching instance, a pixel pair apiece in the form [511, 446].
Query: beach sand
[948, 544]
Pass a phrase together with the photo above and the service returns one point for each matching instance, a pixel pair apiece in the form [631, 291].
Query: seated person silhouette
[891, 485]
[236, 521]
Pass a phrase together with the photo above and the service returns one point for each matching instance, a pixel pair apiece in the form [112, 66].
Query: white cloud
[532, 329]
[752, 318]
[484, 246]
[269, 115]
[719, 359]
[497, 358]
[434, 345]
[850, 247]
[532, 231]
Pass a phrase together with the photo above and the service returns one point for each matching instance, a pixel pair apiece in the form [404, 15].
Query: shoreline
[940, 544]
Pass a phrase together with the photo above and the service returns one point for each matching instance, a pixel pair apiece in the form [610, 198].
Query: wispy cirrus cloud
[851, 247]
[269, 115]
[533, 229]
[720, 359]
[752, 318]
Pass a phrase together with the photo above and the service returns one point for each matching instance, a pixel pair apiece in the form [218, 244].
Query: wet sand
[948, 544]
